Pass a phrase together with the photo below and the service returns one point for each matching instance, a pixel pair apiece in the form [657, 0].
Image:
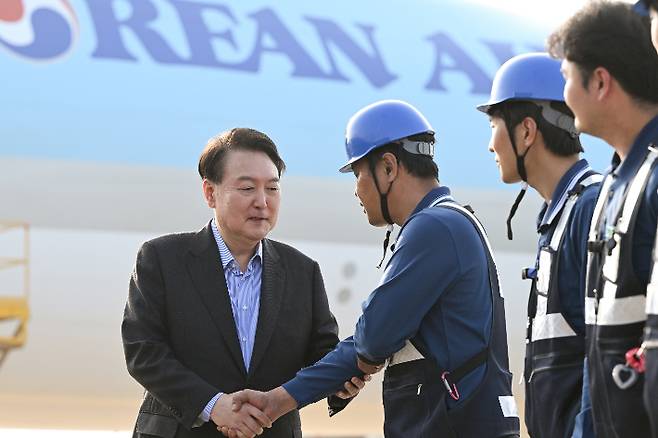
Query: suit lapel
[207, 272]
[271, 296]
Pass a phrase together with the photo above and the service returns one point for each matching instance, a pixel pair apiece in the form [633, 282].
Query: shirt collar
[430, 197]
[627, 168]
[569, 180]
[225, 253]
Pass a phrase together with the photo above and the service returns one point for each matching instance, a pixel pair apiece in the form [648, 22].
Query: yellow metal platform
[15, 308]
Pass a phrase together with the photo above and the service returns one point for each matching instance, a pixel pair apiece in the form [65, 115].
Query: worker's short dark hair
[611, 35]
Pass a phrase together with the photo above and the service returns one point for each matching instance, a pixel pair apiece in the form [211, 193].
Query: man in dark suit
[223, 309]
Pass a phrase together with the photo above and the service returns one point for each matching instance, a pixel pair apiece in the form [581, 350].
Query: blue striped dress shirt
[244, 291]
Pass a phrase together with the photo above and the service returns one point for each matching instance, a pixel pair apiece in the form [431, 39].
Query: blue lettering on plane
[274, 38]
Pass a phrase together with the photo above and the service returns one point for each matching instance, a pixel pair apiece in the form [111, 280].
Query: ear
[390, 166]
[601, 83]
[209, 193]
[528, 131]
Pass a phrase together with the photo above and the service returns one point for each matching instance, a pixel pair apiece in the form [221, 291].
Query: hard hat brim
[346, 168]
[484, 108]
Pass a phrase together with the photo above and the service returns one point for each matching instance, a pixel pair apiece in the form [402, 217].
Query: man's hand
[369, 369]
[246, 422]
[273, 404]
[353, 386]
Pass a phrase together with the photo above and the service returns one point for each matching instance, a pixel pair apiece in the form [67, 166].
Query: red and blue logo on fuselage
[37, 29]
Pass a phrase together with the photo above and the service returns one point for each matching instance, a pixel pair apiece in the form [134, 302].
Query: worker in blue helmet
[535, 141]
[383, 123]
[436, 321]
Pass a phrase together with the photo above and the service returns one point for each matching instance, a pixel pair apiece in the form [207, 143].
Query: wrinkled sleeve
[326, 376]
[423, 265]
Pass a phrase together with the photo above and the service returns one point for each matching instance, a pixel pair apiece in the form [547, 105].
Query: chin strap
[515, 207]
[383, 202]
[389, 230]
[520, 168]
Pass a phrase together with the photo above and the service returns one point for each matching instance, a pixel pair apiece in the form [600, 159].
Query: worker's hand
[353, 386]
[246, 422]
[273, 404]
[369, 369]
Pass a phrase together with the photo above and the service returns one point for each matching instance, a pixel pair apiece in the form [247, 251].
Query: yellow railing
[15, 308]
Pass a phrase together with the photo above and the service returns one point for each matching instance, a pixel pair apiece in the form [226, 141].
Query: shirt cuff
[205, 414]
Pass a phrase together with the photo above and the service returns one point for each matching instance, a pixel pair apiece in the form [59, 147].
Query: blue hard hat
[642, 8]
[381, 123]
[531, 76]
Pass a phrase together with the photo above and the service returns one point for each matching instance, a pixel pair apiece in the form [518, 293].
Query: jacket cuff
[369, 361]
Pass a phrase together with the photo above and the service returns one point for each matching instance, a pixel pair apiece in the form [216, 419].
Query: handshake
[244, 414]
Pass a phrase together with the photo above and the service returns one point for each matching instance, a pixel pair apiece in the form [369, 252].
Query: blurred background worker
[535, 141]
[611, 69]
